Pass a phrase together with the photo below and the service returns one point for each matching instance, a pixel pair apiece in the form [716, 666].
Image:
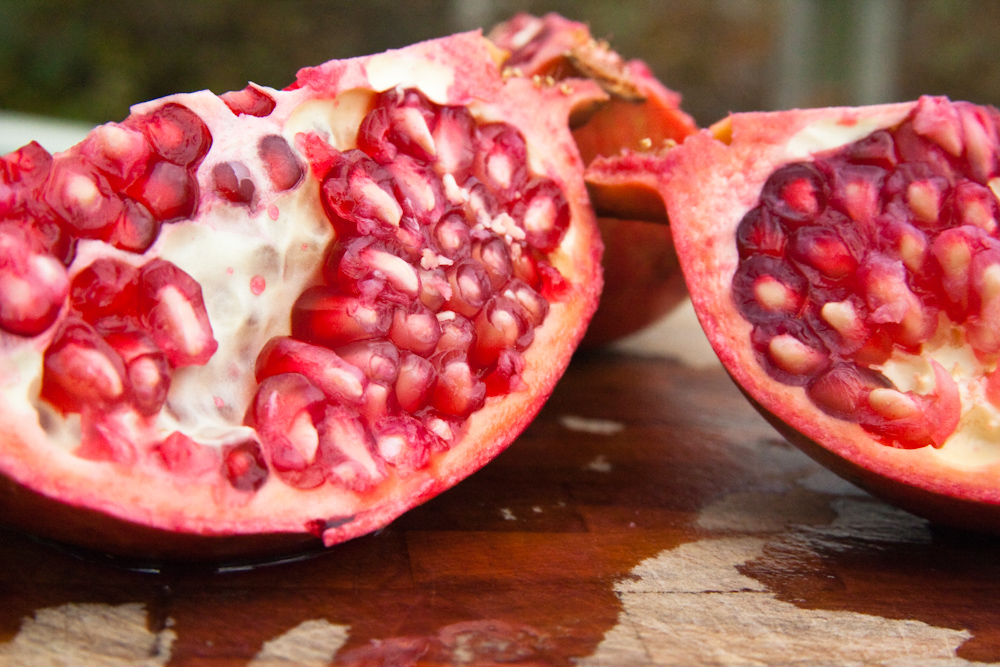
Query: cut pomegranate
[277, 318]
[643, 120]
[845, 265]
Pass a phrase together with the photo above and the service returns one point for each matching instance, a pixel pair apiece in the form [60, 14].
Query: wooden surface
[648, 517]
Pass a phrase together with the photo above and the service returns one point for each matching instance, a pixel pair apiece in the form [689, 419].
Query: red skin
[642, 119]
[708, 185]
[142, 511]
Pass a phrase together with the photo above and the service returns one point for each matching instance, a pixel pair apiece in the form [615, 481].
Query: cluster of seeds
[431, 290]
[873, 248]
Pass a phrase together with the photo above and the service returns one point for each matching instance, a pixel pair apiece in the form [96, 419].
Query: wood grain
[648, 517]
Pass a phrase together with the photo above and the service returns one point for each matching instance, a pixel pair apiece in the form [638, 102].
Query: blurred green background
[88, 60]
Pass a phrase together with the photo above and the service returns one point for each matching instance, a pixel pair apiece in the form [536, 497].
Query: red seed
[335, 377]
[33, 284]
[251, 101]
[136, 229]
[232, 182]
[358, 196]
[146, 368]
[501, 324]
[169, 191]
[172, 310]
[82, 198]
[796, 193]
[543, 213]
[182, 455]
[283, 168]
[176, 133]
[323, 316]
[415, 328]
[403, 442]
[351, 460]
[458, 391]
[471, 287]
[105, 287]
[244, 467]
[378, 360]
[453, 137]
[120, 152]
[80, 369]
[415, 382]
[501, 161]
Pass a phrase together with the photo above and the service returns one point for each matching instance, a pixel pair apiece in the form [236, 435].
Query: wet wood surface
[647, 517]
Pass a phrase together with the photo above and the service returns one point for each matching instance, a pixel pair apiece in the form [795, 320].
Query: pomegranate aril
[169, 191]
[501, 161]
[400, 122]
[282, 167]
[790, 351]
[358, 195]
[457, 333]
[335, 377]
[766, 288]
[120, 152]
[535, 307]
[844, 389]
[458, 391]
[283, 413]
[419, 189]
[856, 190]
[544, 214]
[80, 369]
[501, 324]
[349, 450]
[370, 268]
[232, 181]
[324, 316]
[146, 368]
[760, 232]
[877, 149]
[505, 376]
[415, 328]
[495, 257]
[891, 301]
[909, 420]
[250, 101]
[33, 284]
[23, 174]
[471, 287]
[453, 138]
[937, 119]
[403, 442]
[107, 286]
[825, 250]
[81, 198]
[973, 204]
[415, 382]
[176, 133]
[452, 236]
[136, 229]
[795, 193]
[244, 466]
[378, 360]
[104, 436]
[172, 309]
[979, 129]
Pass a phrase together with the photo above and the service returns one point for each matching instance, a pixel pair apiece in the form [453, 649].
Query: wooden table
[648, 517]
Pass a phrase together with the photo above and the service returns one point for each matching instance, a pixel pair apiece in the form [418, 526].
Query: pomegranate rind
[708, 185]
[142, 511]
[641, 120]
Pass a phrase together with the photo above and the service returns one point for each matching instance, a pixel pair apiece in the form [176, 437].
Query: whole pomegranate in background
[845, 264]
[245, 323]
[642, 120]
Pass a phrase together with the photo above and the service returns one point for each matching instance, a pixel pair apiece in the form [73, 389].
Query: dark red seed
[82, 198]
[323, 316]
[244, 467]
[176, 133]
[136, 228]
[283, 168]
[80, 369]
[107, 286]
[759, 232]
[232, 181]
[251, 101]
[766, 288]
[169, 191]
[795, 193]
[172, 310]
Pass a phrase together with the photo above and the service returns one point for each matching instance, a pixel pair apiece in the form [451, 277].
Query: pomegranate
[242, 324]
[642, 120]
[844, 264]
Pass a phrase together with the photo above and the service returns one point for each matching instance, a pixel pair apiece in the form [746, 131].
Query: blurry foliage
[89, 59]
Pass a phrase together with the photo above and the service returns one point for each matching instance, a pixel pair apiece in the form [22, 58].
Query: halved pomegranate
[243, 324]
[845, 264]
[642, 120]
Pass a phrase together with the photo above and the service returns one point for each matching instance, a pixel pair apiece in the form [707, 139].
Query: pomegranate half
[845, 264]
[242, 324]
[643, 118]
